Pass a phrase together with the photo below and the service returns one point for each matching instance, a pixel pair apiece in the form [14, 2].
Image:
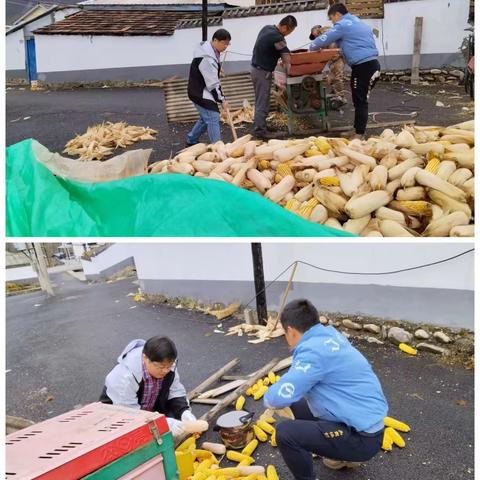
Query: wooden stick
[230, 122]
[206, 401]
[285, 295]
[281, 365]
[230, 378]
[213, 378]
[417, 45]
[232, 397]
[215, 392]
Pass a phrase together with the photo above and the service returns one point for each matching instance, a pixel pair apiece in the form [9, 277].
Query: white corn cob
[406, 154]
[195, 150]
[358, 207]
[225, 165]
[203, 166]
[463, 159]
[457, 147]
[401, 168]
[249, 149]
[390, 160]
[209, 157]
[259, 180]
[430, 180]
[408, 178]
[462, 231]
[393, 186]
[460, 176]
[351, 182]
[319, 214]
[385, 213]
[333, 223]
[356, 225]
[306, 176]
[411, 193]
[378, 178]
[285, 154]
[468, 125]
[185, 168]
[449, 204]
[221, 150]
[405, 139]
[390, 228]
[278, 191]
[239, 177]
[446, 168]
[237, 148]
[185, 157]
[357, 157]
[265, 152]
[442, 226]
[332, 201]
[469, 187]
[437, 211]
[431, 147]
[305, 193]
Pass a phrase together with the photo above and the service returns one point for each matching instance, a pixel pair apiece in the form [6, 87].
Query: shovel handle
[230, 122]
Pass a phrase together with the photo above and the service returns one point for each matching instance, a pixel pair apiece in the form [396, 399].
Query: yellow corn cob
[259, 383]
[311, 152]
[228, 472]
[322, 145]
[240, 402]
[260, 434]
[247, 462]
[211, 477]
[432, 165]
[266, 381]
[271, 473]
[407, 349]
[188, 444]
[249, 392]
[221, 477]
[273, 439]
[307, 208]
[420, 207]
[396, 437]
[387, 443]
[236, 456]
[272, 377]
[263, 165]
[253, 388]
[396, 424]
[199, 476]
[266, 427]
[205, 465]
[293, 205]
[330, 181]
[195, 465]
[284, 170]
[252, 476]
[250, 448]
[261, 477]
[260, 392]
[203, 455]
[277, 378]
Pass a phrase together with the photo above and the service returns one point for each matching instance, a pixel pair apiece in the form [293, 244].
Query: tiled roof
[118, 22]
[275, 8]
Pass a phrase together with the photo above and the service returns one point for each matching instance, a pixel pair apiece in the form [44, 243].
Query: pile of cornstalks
[242, 115]
[272, 329]
[99, 141]
[419, 182]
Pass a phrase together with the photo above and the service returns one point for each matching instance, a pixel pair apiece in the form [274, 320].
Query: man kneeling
[335, 396]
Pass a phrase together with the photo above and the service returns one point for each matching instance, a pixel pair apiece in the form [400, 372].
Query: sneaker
[339, 464]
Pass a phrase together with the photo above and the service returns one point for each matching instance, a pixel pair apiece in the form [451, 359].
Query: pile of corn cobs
[419, 182]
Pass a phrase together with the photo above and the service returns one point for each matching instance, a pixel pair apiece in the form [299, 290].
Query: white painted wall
[220, 261]
[15, 51]
[444, 23]
[19, 273]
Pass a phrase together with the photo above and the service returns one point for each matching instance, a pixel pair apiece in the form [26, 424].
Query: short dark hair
[289, 21]
[160, 349]
[312, 36]
[337, 8]
[221, 34]
[299, 314]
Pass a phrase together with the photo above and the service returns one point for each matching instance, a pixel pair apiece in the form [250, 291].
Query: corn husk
[432, 147]
[437, 211]
[221, 150]
[209, 157]
[203, 166]
[408, 178]
[449, 204]
[157, 167]
[442, 226]
[430, 180]
[469, 187]
[237, 148]
[411, 193]
[457, 132]
[319, 214]
[385, 213]
[306, 176]
[446, 168]
[460, 176]
[361, 206]
[390, 160]
[401, 168]
[259, 180]
[415, 208]
[357, 225]
[393, 186]
[463, 159]
[334, 203]
[390, 228]
[405, 139]
[289, 153]
[195, 150]
[457, 147]
[305, 193]
[241, 174]
[462, 231]
[249, 150]
[280, 190]
[378, 178]
[333, 223]
[185, 168]
[357, 157]
[351, 182]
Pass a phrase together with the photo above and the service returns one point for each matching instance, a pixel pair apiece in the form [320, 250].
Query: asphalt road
[59, 350]
[55, 117]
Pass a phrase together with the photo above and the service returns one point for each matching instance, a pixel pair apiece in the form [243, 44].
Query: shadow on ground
[60, 349]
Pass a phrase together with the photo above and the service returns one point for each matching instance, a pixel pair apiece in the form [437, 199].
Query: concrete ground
[54, 117]
[59, 350]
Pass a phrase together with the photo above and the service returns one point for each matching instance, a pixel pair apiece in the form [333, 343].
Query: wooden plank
[417, 46]
[213, 378]
[206, 401]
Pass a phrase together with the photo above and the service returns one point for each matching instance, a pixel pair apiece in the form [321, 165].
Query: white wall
[444, 22]
[15, 51]
[108, 258]
[19, 273]
[233, 262]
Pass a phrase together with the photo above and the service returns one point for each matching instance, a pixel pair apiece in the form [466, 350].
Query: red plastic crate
[79, 442]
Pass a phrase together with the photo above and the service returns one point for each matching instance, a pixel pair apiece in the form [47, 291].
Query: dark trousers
[298, 439]
[363, 79]
[262, 84]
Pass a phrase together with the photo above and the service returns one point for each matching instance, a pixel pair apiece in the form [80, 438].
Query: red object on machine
[80, 442]
[304, 62]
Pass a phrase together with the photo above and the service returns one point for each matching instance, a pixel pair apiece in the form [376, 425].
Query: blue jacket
[335, 379]
[353, 36]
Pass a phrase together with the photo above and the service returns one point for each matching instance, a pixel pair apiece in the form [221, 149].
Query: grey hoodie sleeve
[209, 69]
[122, 387]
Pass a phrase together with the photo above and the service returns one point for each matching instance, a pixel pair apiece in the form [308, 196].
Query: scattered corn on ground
[419, 182]
[391, 436]
[100, 141]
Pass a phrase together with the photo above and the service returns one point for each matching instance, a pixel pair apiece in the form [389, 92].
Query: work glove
[188, 416]
[175, 426]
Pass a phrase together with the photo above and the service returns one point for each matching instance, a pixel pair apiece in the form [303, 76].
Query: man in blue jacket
[357, 42]
[335, 396]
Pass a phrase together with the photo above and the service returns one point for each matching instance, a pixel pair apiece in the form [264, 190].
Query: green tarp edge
[38, 204]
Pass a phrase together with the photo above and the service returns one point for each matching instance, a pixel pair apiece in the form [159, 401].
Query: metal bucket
[235, 429]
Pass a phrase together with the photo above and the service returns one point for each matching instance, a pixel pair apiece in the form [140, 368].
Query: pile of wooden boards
[100, 141]
[272, 329]
[416, 182]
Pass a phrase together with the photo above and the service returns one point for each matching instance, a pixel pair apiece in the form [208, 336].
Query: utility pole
[204, 20]
[40, 266]
[259, 279]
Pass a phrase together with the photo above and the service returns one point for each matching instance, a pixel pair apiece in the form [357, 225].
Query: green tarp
[39, 204]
